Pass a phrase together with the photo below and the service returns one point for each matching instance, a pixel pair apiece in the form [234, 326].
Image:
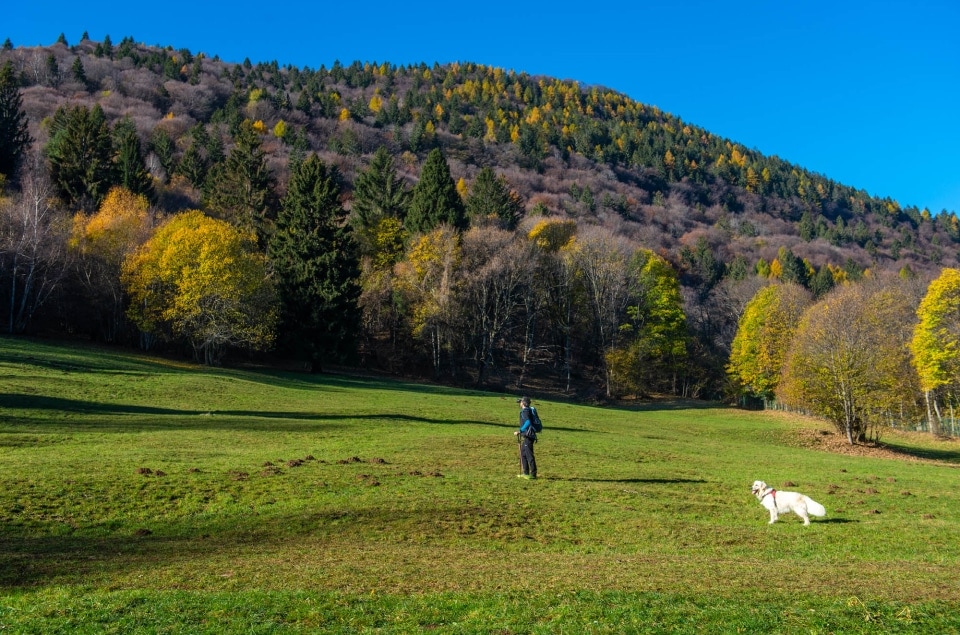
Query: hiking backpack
[535, 420]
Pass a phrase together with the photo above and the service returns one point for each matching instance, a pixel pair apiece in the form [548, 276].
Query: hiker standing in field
[527, 436]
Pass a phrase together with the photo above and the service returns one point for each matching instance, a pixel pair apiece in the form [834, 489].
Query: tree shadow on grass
[663, 481]
[159, 418]
[927, 454]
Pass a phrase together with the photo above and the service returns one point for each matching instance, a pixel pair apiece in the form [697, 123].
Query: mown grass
[140, 495]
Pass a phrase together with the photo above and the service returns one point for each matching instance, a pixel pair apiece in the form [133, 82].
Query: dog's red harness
[773, 493]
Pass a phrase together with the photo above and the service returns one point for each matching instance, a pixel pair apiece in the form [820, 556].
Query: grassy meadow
[140, 495]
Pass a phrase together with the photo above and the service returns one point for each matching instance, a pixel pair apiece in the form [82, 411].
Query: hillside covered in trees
[459, 222]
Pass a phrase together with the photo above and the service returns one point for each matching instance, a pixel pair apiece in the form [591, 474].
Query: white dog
[776, 502]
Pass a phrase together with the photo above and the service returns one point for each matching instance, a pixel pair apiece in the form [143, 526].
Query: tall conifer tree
[435, 199]
[14, 137]
[240, 190]
[315, 259]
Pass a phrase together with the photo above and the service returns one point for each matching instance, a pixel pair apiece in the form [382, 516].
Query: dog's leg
[773, 516]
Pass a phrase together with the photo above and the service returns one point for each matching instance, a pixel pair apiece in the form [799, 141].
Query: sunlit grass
[141, 495]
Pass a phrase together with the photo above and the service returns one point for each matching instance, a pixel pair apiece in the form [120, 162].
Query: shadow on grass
[210, 419]
[835, 521]
[664, 481]
[929, 454]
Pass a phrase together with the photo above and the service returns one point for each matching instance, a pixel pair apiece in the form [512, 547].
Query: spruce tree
[240, 190]
[378, 193]
[131, 170]
[80, 153]
[435, 199]
[315, 260]
[14, 136]
[491, 199]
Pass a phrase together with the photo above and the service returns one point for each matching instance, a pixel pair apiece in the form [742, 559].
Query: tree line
[867, 355]
[194, 236]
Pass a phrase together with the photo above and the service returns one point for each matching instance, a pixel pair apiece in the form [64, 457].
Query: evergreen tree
[822, 283]
[14, 135]
[80, 153]
[315, 259]
[492, 199]
[163, 146]
[78, 72]
[131, 171]
[378, 193]
[435, 199]
[240, 190]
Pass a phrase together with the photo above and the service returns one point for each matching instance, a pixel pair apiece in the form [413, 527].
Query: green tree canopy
[131, 170]
[14, 136]
[315, 259]
[378, 194]
[764, 334]
[435, 200]
[80, 153]
[240, 190]
[491, 199]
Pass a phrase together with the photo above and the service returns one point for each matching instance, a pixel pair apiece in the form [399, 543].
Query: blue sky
[866, 93]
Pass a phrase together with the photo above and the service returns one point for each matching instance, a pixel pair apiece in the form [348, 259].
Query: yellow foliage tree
[101, 242]
[936, 344]
[552, 235]
[203, 280]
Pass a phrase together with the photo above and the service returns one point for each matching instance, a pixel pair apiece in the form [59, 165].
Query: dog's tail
[815, 508]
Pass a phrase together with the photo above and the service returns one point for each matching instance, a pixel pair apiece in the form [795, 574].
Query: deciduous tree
[655, 328]
[202, 279]
[936, 344]
[764, 334]
[32, 249]
[101, 242]
[850, 360]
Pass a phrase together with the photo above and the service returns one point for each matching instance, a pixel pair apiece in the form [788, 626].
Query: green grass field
[138, 495]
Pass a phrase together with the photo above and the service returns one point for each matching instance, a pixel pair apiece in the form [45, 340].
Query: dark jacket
[526, 424]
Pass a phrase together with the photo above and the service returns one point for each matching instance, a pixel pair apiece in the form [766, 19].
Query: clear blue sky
[866, 93]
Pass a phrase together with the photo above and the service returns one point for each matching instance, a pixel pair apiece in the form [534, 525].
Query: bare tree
[32, 248]
[600, 258]
[495, 268]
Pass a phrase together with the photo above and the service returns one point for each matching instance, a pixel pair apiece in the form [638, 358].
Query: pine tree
[80, 153]
[378, 194]
[315, 259]
[131, 170]
[14, 135]
[491, 198]
[435, 199]
[240, 190]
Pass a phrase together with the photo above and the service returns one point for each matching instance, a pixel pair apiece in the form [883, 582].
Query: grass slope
[140, 495]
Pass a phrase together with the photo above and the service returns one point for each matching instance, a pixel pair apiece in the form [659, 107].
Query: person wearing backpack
[527, 435]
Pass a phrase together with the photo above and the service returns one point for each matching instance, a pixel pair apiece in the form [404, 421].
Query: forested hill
[586, 152]
[714, 210]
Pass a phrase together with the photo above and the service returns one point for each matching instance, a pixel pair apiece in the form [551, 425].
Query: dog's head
[758, 486]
